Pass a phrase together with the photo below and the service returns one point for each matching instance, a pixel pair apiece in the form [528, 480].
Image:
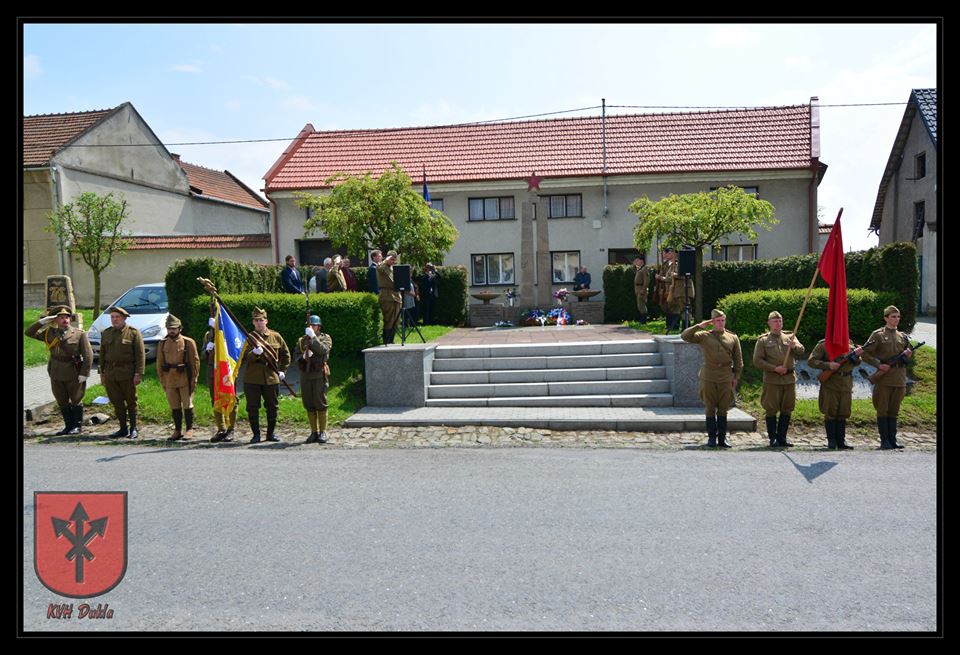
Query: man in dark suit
[292, 282]
[428, 293]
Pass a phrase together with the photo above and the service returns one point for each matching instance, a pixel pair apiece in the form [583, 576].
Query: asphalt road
[490, 539]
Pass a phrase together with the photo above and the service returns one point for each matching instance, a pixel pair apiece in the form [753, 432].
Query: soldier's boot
[892, 432]
[67, 420]
[188, 420]
[122, 432]
[841, 428]
[831, 427]
[218, 435]
[312, 415]
[255, 427]
[134, 433]
[271, 425]
[783, 423]
[772, 430]
[231, 423]
[322, 426]
[177, 423]
[884, 437]
[712, 431]
[76, 412]
[722, 431]
[385, 341]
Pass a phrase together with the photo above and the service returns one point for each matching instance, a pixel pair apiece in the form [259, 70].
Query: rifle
[849, 357]
[272, 357]
[896, 359]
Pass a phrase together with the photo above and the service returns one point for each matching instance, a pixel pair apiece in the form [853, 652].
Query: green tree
[363, 213]
[698, 220]
[92, 226]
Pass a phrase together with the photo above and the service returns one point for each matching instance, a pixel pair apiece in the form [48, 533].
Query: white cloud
[185, 68]
[31, 67]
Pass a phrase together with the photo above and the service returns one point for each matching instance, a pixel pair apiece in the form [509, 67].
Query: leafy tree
[363, 213]
[698, 220]
[92, 226]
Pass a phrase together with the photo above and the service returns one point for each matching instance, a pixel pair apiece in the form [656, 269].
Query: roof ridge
[71, 113]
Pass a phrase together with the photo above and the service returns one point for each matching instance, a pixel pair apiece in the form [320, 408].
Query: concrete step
[549, 349]
[618, 400]
[449, 364]
[550, 375]
[624, 419]
[629, 387]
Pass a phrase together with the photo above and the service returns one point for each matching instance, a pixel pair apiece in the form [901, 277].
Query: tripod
[404, 315]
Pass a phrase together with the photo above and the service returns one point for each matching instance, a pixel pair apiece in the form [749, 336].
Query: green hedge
[890, 268]
[451, 307]
[747, 312]
[621, 301]
[353, 320]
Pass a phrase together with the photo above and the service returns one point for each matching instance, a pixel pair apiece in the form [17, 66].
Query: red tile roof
[43, 135]
[191, 242]
[825, 228]
[729, 140]
[220, 184]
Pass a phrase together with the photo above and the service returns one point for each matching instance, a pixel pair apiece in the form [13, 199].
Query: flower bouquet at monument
[558, 316]
[560, 294]
[534, 317]
[511, 295]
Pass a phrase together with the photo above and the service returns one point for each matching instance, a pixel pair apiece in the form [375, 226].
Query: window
[920, 166]
[565, 266]
[735, 253]
[436, 203]
[564, 206]
[492, 269]
[919, 209]
[491, 209]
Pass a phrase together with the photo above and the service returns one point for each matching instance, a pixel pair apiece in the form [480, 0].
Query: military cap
[716, 313]
[172, 321]
[259, 313]
[119, 310]
[669, 249]
[392, 253]
[890, 310]
[315, 320]
[60, 310]
[774, 314]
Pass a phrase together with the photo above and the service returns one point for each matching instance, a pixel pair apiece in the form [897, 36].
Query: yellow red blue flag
[230, 341]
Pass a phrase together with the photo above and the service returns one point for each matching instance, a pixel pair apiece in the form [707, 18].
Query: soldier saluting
[391, 301]
[178, 366]
[69, 367]
[122, 360]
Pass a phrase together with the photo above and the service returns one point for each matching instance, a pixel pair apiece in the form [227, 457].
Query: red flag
[834, 272]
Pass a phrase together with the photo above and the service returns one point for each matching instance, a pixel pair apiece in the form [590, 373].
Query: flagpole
[816, 271]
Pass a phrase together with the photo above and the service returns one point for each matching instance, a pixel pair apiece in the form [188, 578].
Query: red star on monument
[533, 182]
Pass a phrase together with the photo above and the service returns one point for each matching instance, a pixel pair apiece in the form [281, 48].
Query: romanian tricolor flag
[229, 343]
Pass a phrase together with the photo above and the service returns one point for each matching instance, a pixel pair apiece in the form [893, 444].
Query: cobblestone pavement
[473, 437]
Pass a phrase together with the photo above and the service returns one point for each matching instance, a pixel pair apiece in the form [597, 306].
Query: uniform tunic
[889, 390]
[837, 392]
[259, 379]
[313, 380]
[121, 357]
[779, 395]
[391, 301]
[180, 381]
[640, 282]
[722, 363]
[70, 357]
[335, 280]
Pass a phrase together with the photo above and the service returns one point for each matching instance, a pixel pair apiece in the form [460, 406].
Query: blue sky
[233, 82]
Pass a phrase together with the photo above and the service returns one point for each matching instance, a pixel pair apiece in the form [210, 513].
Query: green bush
[352, 319]
[747, 312]
[890, 268]
[621, 300]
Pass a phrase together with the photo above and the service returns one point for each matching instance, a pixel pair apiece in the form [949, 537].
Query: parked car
[147, 305]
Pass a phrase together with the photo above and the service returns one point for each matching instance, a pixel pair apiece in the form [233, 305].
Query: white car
[147, 305]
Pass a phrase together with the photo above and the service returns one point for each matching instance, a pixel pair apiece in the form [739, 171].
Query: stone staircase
[584, 374]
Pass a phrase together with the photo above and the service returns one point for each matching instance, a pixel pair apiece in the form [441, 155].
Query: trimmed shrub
[747, 312]
[621, 301]
[353, 320]
[890, 268]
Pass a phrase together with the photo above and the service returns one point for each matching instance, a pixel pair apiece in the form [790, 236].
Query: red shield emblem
[80, 541]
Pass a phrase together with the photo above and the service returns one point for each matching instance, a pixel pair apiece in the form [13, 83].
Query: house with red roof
[177, 209]
[590, 169]
[906, 207]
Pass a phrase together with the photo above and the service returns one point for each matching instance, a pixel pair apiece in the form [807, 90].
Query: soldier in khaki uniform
[720, 373]
[259, 378]
[311, 355]
[178, 366]
[779, 395]
[641, 281]
[391, 301]
[335, 278]
[69, 367]
[888, 392]
[225, 424]
[121, 368]
[672, 294]
[836, 394]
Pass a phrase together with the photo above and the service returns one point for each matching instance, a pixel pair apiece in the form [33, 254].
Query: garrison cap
[119, 310]
[173, 321]
[259, 313]
[774, 314]
[890, 310]
[716, 313]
